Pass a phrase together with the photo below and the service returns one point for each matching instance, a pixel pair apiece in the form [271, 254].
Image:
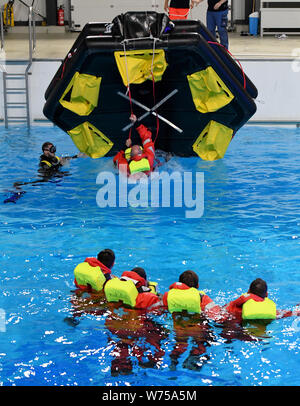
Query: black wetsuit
[52, 164]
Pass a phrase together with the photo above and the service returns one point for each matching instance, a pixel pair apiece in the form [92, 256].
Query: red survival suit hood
[94, 262]
[136, 277]
[179, 285]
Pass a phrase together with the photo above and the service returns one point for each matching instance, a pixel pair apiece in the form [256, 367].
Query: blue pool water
[249, 229]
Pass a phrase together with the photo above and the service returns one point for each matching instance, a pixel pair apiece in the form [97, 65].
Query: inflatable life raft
[180, 83]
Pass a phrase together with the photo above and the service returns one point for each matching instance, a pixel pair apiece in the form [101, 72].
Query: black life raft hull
[188, 48]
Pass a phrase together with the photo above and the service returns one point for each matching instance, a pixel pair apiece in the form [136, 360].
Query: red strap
[157, 120]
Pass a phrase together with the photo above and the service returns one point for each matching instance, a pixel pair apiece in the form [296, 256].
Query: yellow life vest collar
[49, 163]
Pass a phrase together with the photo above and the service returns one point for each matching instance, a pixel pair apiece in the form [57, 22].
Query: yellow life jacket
[253, 310]
[86, 274]
[184, 299]
[128, 154]
[136, 166]
[49, 163]
[139, 166]
[118, 290]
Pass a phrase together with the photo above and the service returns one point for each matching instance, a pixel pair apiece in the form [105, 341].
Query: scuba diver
[49, 167]
[49, 162]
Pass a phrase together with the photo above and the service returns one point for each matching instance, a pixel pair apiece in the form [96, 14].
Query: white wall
[278, 84]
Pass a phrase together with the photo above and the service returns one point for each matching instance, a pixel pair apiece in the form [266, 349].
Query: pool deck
[54, 44]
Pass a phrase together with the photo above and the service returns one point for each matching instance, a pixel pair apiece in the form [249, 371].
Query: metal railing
[1, 28]
[14, 76]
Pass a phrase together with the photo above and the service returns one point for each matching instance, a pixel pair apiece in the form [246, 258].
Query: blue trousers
[218, 19]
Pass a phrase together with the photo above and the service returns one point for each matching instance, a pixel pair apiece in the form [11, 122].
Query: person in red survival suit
[189, 279]
[146, 298]
[258, 291]
[133, 327]
[140, 159]
[134, 334]
[91, 278]
[191, 327]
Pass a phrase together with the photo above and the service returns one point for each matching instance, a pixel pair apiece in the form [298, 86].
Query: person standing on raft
[136, 159]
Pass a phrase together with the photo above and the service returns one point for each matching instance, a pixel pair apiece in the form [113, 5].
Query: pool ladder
[12, 101]
[11, 91]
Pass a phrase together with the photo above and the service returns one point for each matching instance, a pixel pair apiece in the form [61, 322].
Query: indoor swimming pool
[249, 229]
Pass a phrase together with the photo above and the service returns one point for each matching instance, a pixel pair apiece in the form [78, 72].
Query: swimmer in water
[49, 166]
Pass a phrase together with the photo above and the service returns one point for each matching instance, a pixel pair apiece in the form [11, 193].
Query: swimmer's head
[189, 278]
[140, 271]
[48, 148]
[107, 258]
[259, 288]
[136, 150]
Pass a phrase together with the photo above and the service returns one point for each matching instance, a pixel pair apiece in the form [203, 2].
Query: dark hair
[189, 278]
[259, 288]
[107, 257]
[46, 145]
[140, 271]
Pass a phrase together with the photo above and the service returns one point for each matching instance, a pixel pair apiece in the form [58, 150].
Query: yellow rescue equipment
[213, 141]
[184, 300]
[253, 310]
[90, 140]
[208, 90]
[137, 66]
[136, 166]
[82, 94]
[119, 290]
[85, 274]
[139, 166]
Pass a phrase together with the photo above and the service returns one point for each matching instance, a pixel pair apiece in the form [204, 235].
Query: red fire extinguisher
[60, 16]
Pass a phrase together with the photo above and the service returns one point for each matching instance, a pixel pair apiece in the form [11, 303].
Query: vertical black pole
[51, 12]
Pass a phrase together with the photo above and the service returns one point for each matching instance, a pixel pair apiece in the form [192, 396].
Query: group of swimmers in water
[133, 290]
